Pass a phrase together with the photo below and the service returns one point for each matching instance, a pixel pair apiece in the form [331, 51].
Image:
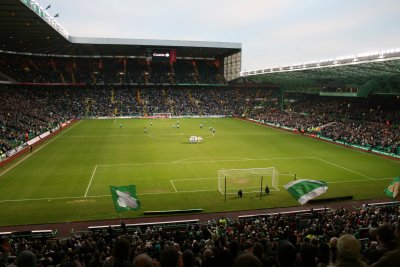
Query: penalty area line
[101, 196]
[352, 181]
[344, 168]
[195, 179]
[173, 185]
[171, 192]
[46, 198]
[38, 149]
[90, 182]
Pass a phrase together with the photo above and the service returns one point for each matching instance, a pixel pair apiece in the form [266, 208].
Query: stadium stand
[375, 228]
[53, 105]
[43, 91]
[371, 124]
[117, 71]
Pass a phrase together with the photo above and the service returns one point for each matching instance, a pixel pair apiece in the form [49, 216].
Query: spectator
[170, 258]
[349, 248]
[247, 260]
[286, 254]
[208, 258]
[120, 254]
[143, 260]
[308, 255]
[333, 249]
[188, 258]
[26, 259]
[323, 255]
[386, 242]
[96, 261]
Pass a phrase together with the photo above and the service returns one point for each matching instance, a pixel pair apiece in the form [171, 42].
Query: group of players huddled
[177, 126]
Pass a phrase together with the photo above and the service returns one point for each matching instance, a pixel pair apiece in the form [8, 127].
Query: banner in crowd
[304, 190]
[124, 198]
[393, 190]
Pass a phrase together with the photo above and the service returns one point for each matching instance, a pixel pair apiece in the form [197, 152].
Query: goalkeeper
[266, 190]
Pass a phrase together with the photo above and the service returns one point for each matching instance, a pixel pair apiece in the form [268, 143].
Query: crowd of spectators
[371, 123]
[136, 86]
[367, 236]
[28, 111]
[109, 71]
[31, 110]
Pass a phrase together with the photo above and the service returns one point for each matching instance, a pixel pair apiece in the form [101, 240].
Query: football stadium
[122, 150]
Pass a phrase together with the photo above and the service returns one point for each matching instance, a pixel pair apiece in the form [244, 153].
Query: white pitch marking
[47, 198]
[331, 143]
[344, 168]
[158, 193]
[90, 182]
[194, 179]
[38, 149]
[173, 185]
[223, 158]
[201, 161]
[184, 161]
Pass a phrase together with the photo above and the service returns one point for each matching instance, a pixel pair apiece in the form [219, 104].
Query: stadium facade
[355, 75]
[28, 29]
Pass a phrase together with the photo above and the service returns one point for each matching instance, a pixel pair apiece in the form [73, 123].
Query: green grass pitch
[67, 178]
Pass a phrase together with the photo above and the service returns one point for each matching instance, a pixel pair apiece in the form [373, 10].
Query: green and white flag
[304, 190]
[393, 190]
[125, 198]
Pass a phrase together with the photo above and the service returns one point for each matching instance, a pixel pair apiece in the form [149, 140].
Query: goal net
[162, 115]
[248, 180]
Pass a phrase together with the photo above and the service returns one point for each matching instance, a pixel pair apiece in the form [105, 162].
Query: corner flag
[124, 198]
[305, 190]
[393, 190]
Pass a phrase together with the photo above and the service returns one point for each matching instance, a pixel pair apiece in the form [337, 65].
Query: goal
[248, 180]
[162, 115]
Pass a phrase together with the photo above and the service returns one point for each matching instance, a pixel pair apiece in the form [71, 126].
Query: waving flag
[125, 198]
[304, 190]
[393, 190]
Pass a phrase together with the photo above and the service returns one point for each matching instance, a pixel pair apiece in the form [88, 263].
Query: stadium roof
[26, 27]
[356, 70]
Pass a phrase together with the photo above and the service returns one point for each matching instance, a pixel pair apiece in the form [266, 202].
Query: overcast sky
[272, 32]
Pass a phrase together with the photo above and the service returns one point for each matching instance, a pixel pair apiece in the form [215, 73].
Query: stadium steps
[34, 234]
[168, 226]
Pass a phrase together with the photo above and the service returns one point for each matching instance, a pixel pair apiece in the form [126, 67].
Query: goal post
[252, 180]
[162, 115]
